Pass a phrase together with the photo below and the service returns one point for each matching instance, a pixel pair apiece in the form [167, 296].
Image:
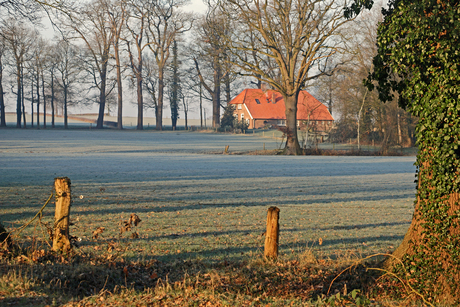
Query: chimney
[273, 97]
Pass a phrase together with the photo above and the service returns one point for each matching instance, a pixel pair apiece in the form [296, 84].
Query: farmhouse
[266, 108]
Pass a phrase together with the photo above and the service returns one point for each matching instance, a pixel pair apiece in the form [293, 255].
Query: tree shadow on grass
[228, 270]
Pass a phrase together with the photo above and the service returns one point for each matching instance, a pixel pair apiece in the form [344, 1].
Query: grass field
[197, 204]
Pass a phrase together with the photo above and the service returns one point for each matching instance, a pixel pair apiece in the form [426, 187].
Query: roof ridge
[245, 93]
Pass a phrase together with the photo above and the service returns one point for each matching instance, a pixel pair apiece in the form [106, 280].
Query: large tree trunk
[102, 94]
[18, 97]
[44, 101]
[52, 100]
[22, 100]
[430, 244]
[201, 106]
[38, 100]
[159, 109]
[119, 88]
[292, 143]
[216, 95]
[32, 100]
[2, 106]
[2, 101]
[140, 102]
[65, 108]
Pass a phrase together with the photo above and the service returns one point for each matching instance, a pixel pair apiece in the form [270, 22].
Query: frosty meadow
[195, 202]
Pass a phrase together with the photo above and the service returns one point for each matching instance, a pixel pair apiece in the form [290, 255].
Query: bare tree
[116, 11]
[92, 25]
[362, 115]
[151, 82]
[68, 68]
[136, 24]
[209, 56]
[52, 61]
[36, 68]
[19, 40]
[165, 24]
[175, 88]
[298, 35]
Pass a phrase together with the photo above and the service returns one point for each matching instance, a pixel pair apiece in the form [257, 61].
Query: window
[257, 101]
[240, 106]
[242, 116]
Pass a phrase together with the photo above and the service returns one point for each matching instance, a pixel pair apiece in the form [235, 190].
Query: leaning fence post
[272, 233]
[61, 241]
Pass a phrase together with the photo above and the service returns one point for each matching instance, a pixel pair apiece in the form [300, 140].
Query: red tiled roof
[272, 106]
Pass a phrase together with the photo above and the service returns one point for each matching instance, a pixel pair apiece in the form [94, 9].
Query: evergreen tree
[228, 118]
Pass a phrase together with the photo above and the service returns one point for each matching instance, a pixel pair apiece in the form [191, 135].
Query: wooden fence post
[272, 233]
[61, 241]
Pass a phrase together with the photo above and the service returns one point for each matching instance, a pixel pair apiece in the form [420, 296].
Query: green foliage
[228, 118]
[354, 298]
[357, 6]
[418, 58]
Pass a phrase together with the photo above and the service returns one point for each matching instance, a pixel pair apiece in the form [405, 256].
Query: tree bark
[65, 108]
[52, 99]
[38, 99]
[2, 101]
[272, 234]
[44, 100]
[159, 109]
[292, 143]
[102, 94]
[18, 98]
[119, 87]
[216, 95]
[140, 100]
[61, 241]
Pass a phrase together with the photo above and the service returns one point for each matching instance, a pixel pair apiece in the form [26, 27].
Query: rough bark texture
[159, 109]
[272, 234]
[18, 98]
[61, 241]
[140, 100]
[292, 143]
[102, 94]
[216, 95]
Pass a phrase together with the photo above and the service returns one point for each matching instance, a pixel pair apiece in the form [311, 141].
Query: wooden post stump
[61, 241]
[272, 233]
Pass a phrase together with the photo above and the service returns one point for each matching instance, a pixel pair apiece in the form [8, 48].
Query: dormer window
[257, 101]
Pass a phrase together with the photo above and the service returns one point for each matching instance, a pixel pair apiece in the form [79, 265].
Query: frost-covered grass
[203, 217]
[196, 204]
